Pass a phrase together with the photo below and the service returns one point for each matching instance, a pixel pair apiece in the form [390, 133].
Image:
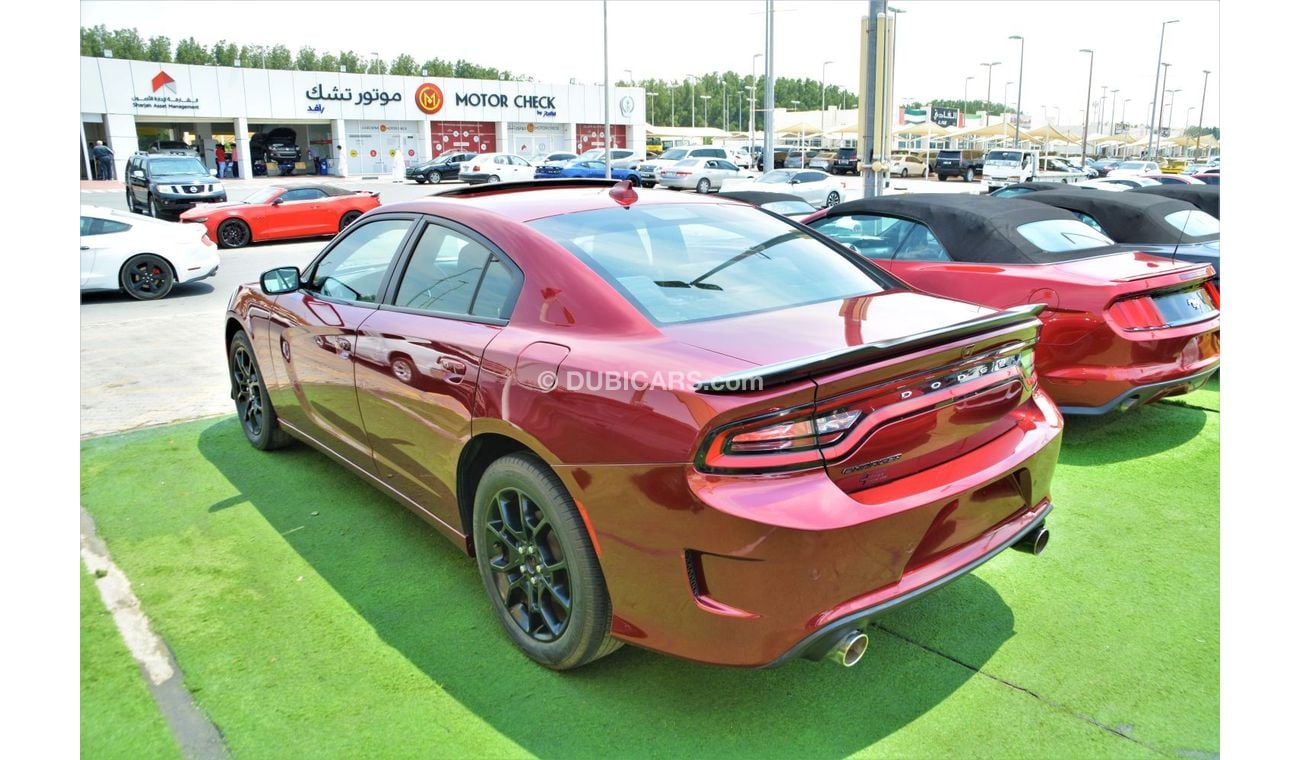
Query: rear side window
[682, 263]
[1060, 235]
[451, 274]
[876, 237]
[1193, 222]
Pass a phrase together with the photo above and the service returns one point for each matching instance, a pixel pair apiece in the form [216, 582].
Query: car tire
[904, 175]
[702, 187]
[233, 233]
[832, 198]
[404, 369]
[943, 177]
[494, 178]
[252, 404]
[970, 175]
[420, 180]
[434, 178]
[534, 554]
[634, 180]
[348, 218]
[130, 203]
[146, 277]
[153, 208]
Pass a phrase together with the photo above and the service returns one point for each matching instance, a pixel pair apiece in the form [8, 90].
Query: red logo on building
[428, 98]
[164, 80]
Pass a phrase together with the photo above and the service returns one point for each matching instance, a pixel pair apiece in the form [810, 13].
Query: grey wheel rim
[529, 570]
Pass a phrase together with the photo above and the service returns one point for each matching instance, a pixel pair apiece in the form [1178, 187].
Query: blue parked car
[585, 170]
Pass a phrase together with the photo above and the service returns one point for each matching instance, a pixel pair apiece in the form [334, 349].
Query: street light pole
[988, 91]
[1020, 85]
[965, 93]
[824, 65]
[693, 79]
[706, 99]
[753, 87]
[724, 105]
[1160, 117]
[1101, 115]
[1114, 101]
[1200, 120]
[1087, 103]
[1160, 59]
[650, 116]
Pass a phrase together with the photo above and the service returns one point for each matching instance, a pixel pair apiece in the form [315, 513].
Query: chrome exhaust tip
[1034, 541]
[849, 649]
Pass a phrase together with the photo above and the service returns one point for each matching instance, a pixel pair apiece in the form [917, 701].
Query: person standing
[103, 156]
[230, 160]
[221, 160]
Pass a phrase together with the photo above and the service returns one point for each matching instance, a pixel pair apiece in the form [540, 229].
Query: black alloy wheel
[147, 277]
[233, 233]
[252, 405]
[537, 565]
[347, 219]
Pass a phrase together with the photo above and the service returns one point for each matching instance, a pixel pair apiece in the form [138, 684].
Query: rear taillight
[1213, 292]
[790, 440]
[1136, 314]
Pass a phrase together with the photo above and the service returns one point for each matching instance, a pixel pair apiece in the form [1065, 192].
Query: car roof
[1204, 197]
[536, 199]
[974, 228]
[1127, 217]
[758, 197]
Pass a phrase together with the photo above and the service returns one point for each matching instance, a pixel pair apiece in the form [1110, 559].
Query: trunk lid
[902, 382]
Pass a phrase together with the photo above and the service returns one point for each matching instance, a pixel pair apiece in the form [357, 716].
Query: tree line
[668, 102]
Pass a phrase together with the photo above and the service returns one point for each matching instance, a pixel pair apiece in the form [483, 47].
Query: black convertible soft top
[1127, 217]
[976, 228]
[1204, 197]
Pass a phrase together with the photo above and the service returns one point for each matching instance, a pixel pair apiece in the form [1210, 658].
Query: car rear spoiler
[819, 364]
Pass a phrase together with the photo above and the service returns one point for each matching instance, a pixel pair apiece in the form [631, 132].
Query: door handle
[85, 248]
[454, 367]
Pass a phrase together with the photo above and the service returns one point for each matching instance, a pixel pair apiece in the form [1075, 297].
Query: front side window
[354, 268]
[876, 237]
[302, 194]
[682, 263]
[1060, 235]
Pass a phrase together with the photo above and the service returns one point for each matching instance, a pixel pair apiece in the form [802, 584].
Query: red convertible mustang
[673, 421]
[278, 212]
[1121, 328]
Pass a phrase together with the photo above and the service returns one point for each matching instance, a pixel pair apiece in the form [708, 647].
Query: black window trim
[392, 281]
[384, 283]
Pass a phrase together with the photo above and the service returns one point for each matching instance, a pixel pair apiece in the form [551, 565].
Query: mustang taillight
[1137, 313]
[1213, 293]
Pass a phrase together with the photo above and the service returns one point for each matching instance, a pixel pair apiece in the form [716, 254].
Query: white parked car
[496, 167]
[705, 175]
[1123, 183]
[619, 158]
[741, 157]
[559, 158]
[816, 187]
[648, 170]
[141, 256]
[1134, 169]
[908, 165]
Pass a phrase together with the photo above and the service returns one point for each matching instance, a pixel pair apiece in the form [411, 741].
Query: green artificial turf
[312, 616]
[119, 718]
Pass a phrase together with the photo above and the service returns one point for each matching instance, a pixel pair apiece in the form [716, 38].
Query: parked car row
[803, 424]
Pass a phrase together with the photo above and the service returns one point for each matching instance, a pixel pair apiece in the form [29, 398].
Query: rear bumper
[1136, 396]
[750, 572]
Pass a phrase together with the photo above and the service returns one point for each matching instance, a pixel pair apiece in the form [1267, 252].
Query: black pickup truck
[959, 163]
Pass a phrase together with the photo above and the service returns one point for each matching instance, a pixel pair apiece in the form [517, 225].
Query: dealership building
[363, 124]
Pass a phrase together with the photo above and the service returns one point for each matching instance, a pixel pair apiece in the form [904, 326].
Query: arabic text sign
[164, 101]
[364, 97]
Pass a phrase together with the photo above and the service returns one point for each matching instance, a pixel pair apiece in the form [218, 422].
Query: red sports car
[278, 212]
[674, 421]
[1121, 327]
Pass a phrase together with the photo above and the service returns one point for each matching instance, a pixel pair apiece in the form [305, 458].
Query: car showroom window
[1060, 235]
[681, 263]
[444, 273]
[355, 266]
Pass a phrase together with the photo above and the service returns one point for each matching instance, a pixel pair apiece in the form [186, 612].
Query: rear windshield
[949, 154]
[1061, 235]
[691, 262]
[674, 154]
[1193, 223]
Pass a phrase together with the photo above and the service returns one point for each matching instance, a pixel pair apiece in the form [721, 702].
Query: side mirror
[282, 280]
[794, 181]
[138, 173]
[277, 201]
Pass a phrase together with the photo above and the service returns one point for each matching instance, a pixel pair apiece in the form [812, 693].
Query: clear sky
[940, 42]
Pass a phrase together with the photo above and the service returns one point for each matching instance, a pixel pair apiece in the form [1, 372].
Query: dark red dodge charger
[673, 421]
